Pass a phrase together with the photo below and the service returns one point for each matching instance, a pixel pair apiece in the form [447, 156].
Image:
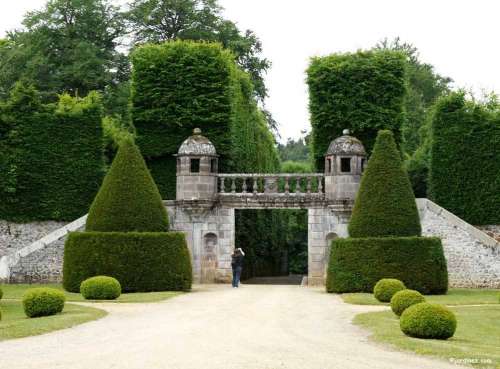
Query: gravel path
[217, 327]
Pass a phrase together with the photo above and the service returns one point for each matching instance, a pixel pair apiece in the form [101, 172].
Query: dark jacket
[237, 260]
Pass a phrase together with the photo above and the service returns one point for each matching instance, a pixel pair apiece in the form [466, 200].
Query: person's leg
[234, 278]
[238, 275]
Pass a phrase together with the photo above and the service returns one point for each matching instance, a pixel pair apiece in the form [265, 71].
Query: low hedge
[43, 302]
[357, 264]
[386, 288]
[101, 288]
[141, 261]
[402, 300]
[427, 320]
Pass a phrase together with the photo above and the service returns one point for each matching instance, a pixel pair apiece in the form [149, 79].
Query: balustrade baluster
[297, 185]
[244, 187]
[255, 186]
[320, 184]
[233, 185]
[222, 189]
[287, 186]
[308, 185]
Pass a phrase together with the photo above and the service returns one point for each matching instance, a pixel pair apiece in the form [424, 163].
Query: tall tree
[68, 46]
[163, 20]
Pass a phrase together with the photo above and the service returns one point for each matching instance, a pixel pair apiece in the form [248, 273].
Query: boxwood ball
[386, 288]
[425, 320]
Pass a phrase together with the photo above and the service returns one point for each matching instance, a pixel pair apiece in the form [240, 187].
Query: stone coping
[428, 205]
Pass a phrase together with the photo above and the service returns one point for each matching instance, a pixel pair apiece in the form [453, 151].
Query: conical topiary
[385, 204]
[128, 200]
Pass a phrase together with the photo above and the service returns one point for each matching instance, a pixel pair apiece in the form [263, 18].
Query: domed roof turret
[197, 145]
[346, 145]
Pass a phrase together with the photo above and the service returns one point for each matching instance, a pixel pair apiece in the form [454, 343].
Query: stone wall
[33, 252]
[473, 258]
[43, 265]
[14, 236]
[492, 230]
[210, 235]
[324, 224]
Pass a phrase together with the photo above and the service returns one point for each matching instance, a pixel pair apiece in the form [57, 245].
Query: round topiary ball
[100, 288]
[404, 299]
[425, 320]
[43, 302]
[386, 288]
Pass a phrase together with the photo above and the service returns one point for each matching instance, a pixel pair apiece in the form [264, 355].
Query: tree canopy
[68, 46]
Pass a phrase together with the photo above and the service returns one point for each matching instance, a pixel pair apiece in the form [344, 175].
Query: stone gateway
[206, 201]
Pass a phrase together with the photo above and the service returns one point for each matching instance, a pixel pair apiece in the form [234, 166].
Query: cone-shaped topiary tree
[385, 204]
[128, 200]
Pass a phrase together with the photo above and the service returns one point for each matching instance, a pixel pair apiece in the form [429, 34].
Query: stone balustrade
[283, 184]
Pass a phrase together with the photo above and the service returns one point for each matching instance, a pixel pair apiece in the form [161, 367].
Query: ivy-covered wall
[362, 91]
[51, 162]
[465, 158]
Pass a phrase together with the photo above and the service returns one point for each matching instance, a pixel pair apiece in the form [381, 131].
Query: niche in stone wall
[209, 258]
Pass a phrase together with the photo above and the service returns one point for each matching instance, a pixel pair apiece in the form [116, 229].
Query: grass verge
[16, 291]
[15, 324]
[474, 343]
[455, 296]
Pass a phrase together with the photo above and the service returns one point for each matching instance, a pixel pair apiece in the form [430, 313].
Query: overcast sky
[461, 38]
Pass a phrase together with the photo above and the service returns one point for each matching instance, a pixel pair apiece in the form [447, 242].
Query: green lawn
[15, 324]
[16, 291]
[455, 296]
[475, 342]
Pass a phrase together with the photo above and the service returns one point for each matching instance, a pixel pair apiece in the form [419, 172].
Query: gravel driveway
[217, 327]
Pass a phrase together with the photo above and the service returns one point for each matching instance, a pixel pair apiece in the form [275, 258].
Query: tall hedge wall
[465, 158]
[52, 163]
[181, 85]
[362, 91]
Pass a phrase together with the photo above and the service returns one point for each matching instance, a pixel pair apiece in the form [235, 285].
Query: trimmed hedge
[1, 293]
[181, 85]
[427, 320]
[385, 204]
[386, 288]
[141, 261]
[357, 264]
[362, 91]
[43, 302]
[100, 288]
[464, 173]
[177, 86]
[128, 200]
[51, 156]
[404, 299]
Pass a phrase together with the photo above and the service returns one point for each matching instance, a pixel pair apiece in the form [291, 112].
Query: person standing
[237, 265]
